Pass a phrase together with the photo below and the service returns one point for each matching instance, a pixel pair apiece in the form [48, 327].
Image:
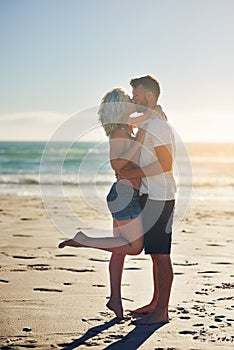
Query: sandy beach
[53, 298]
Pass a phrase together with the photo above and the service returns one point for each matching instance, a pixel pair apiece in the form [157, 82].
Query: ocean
[29, 168]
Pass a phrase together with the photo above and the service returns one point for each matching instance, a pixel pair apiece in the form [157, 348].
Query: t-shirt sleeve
[160, 133]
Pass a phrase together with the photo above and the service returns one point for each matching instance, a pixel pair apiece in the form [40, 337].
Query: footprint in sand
[63, 345]
[75, 270]
[226, 286]
[23, 257]
[90, 343]
[205, 272]
[187, 231]
[65, 255]
[224, 298]
[185, 264]
[91, 319]
[26, 329]
[187, 332]
[203, 291]
[221, 263]
[18, 235]
[115, 336]
[182, 310]
[99, 260]
[98, 285]
[47, 290]
[39, 267]
[214, 245]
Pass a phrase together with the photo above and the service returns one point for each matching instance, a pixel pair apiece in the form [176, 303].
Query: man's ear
[149, 95]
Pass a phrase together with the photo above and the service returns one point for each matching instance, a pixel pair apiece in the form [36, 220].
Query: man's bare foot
[116, 306]
[154, 317]
[144, 309]
[77, 241]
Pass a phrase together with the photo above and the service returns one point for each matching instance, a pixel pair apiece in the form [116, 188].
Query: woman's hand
[130, 172]
[117, 175]
[141, 135]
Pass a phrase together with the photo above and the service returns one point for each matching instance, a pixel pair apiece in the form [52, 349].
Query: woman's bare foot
[116, 306]
[144, 309]
[77, 241]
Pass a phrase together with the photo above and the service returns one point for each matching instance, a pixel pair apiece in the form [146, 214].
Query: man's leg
[157, 241]
[165, 278]
[147, 215]
[152, 305]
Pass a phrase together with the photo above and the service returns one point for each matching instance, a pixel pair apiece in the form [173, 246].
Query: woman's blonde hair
[111, 109]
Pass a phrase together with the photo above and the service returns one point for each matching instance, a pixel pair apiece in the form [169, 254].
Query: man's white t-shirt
[161, 186]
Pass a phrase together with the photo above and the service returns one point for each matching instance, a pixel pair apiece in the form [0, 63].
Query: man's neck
[152, 105]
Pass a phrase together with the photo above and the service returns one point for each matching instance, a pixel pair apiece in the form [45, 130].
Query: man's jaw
[141, 109]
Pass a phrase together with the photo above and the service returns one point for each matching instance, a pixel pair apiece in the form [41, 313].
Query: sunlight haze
[60, 57]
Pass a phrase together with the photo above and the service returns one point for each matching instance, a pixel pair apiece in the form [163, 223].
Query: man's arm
[162, 165]
[118, 157]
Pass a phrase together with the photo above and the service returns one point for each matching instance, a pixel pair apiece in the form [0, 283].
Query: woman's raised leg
[129, 242]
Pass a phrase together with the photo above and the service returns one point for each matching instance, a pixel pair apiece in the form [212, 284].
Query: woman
[123, 198]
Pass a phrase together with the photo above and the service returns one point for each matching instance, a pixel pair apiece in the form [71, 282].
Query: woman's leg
[128, 239]
[129, 242]
[115, 271]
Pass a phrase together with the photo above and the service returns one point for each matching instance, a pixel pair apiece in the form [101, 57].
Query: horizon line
[98, 140]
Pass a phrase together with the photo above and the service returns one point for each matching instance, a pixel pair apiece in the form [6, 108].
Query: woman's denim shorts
[123, 201]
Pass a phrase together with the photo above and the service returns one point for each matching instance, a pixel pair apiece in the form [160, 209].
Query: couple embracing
[142, 199]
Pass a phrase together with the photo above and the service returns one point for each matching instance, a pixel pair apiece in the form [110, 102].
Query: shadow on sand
[131, 341]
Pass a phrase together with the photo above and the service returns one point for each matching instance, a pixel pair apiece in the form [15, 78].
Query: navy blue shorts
[123, 201]
[157, 223]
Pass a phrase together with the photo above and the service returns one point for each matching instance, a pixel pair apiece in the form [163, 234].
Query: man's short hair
[148, 82]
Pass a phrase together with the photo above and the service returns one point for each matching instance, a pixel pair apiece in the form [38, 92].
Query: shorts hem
[127, 217]
[156, 253]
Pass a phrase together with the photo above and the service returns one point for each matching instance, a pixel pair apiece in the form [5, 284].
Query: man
[157, 193]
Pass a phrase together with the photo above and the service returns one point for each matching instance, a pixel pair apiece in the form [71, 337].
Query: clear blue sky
[60, 56]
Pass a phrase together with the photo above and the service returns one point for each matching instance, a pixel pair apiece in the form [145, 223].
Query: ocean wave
[99, 181]
[55, 181]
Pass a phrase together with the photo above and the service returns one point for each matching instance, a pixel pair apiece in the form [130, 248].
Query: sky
[59, 57]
